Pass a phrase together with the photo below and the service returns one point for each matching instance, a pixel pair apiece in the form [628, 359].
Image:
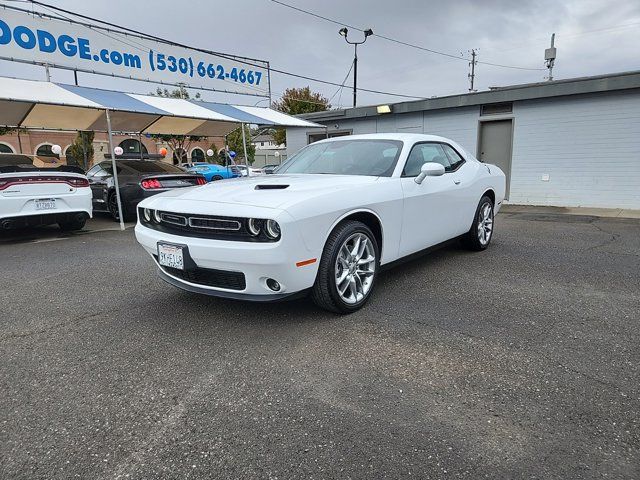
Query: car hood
[273, 191]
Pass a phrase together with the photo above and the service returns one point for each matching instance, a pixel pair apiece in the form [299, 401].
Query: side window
[107, 169]
[93, 171]
[454, 157]
[422, 153]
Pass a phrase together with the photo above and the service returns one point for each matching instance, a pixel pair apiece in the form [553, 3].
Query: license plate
[46, 204]
[170, 256]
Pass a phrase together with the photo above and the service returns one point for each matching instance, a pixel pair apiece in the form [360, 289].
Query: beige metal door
[495, 146]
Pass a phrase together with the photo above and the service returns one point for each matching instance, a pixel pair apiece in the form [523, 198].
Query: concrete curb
[584, 211]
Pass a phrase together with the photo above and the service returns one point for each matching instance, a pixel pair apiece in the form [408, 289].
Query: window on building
[45, 151]
[496, 108]
[4, 148]
[197, 155]
[132, 146]
[316, 137]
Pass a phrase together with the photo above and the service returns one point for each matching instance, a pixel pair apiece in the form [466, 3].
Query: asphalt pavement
[522, 361]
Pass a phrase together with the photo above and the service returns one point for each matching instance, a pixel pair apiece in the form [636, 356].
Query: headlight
[273, 229]
[156, 216]
[147, 215]
[253, 225]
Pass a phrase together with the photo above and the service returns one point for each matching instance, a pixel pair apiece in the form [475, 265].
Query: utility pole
[472, 74]
[550, 57]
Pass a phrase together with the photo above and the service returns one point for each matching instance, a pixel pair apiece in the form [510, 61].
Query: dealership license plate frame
[171, 255]
[45, 204]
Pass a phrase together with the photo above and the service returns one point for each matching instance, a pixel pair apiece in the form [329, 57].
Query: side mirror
[429, 169]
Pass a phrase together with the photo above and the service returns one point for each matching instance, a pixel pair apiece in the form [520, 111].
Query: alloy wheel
[113, 206]
[485, 223]
[354, 268]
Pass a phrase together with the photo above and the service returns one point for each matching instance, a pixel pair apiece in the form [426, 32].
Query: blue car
[213, 172]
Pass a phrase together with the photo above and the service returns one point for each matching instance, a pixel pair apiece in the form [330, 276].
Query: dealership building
[568, 143]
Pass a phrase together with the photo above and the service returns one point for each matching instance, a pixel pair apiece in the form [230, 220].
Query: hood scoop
[270, 186]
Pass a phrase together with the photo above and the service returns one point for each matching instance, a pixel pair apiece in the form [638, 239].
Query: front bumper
[256, 260]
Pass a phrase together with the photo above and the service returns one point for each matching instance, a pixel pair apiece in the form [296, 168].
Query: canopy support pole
[115, 170]
[244, 146]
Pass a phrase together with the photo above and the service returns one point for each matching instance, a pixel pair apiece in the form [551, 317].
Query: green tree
[179, 144]
[295, 101]
[7, 130]
[82, 148]
[234, 141]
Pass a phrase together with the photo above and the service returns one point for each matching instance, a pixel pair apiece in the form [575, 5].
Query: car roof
[403, 137]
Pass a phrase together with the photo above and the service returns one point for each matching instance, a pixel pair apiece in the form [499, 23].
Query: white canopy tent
[46, 105]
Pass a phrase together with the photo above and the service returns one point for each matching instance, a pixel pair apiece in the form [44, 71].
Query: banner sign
[43, 39]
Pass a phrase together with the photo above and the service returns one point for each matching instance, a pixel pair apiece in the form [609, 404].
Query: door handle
[457, 182]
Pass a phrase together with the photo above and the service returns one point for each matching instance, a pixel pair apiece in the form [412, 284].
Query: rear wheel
[112, 205]
[479, 236]
[348, 268]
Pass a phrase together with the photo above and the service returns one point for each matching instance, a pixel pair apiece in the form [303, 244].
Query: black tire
[73, 225]
[112, 205]
[216, 178]
[473, 239]
[324, 292]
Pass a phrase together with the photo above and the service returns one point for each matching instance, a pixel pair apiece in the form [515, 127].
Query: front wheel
[348, 268]
[479, 236]
[216, 178]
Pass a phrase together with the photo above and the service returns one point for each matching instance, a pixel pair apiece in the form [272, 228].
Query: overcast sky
[592, 37]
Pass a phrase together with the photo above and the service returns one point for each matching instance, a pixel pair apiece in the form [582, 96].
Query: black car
[138, 179]
[269, 169]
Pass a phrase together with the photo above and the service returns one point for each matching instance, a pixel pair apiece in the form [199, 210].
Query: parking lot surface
[519, 362]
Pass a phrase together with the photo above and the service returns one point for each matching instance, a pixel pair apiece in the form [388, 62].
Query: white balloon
[210, 153]
[56, 149]
[118, 151]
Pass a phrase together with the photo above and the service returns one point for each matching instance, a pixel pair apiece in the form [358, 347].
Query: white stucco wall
[589, 146]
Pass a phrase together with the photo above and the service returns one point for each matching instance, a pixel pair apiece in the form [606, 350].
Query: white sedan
[326, 222]
[31, 196]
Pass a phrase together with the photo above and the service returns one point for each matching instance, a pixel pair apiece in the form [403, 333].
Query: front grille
[210, 277]
[205, 226]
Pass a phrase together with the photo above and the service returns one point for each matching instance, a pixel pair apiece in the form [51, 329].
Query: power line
[245, 60]
[343, 83]
[400, 42]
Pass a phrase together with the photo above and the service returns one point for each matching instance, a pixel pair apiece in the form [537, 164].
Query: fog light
[273, 285]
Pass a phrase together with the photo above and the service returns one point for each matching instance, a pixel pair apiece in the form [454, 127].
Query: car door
[465, 196]
[429, 213]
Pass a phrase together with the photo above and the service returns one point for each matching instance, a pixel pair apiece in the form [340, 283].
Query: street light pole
[367, 33]
[355, 72]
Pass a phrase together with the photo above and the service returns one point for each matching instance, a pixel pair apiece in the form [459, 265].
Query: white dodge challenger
[325, 222]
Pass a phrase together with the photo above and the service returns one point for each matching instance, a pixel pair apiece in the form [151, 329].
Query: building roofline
[510, 93]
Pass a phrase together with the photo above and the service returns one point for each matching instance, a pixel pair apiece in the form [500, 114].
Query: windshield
[346, 157]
